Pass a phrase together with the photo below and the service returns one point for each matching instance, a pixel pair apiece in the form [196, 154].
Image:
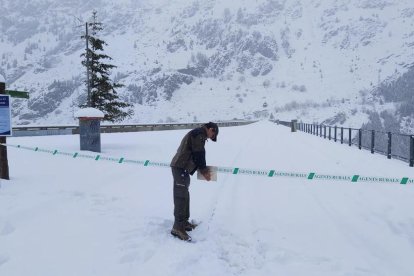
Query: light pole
[87, 65]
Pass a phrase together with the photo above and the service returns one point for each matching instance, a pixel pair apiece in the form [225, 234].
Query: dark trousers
[181, 197]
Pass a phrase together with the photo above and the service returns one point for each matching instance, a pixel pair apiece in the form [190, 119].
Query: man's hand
[207, 175]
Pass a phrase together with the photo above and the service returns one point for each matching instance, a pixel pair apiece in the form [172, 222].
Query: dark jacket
[191, 154]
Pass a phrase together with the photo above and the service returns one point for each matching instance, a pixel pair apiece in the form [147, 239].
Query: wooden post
[4, 163]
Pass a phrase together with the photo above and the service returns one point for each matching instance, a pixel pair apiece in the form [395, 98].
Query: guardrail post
[320, 130]
[411, 151]
[324, 132]
[293, 125]
[329, 132]
[389, 145]
[372, 140]
[342, 135]
[335, 130]
[359, 138]
[350, 137]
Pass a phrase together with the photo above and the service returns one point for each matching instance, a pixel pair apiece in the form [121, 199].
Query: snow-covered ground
[71, 216]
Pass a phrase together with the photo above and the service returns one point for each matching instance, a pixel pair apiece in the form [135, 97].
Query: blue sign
[5, 116]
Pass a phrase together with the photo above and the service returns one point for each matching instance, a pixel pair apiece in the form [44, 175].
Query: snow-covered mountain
[316, 60]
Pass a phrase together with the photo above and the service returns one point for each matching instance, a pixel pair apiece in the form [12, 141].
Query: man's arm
[199, 155]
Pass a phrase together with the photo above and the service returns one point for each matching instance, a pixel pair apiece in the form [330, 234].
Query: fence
[393, 145]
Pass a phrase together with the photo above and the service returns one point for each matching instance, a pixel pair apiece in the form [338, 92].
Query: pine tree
[103, 94]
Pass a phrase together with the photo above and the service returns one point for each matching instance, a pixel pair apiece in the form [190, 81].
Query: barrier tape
[229, 170]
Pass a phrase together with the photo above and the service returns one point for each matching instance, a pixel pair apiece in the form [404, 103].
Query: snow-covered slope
[61, 215]
[202, 60]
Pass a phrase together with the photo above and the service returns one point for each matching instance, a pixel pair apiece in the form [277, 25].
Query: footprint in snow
[139, 244]
[3, 259]
[7, 229]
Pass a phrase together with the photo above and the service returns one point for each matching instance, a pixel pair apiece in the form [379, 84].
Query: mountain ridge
[211, 60]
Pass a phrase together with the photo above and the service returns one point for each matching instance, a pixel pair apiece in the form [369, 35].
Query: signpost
[5, 123]
[4, 164]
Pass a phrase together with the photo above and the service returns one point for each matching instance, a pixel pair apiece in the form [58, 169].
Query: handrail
[364, 138]
[19, 131]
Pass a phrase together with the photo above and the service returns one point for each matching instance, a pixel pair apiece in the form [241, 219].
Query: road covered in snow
[61, 215]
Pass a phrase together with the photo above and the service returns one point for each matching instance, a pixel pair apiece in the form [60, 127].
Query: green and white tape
[311, 176]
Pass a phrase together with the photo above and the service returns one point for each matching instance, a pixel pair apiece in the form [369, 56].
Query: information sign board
[5, 116]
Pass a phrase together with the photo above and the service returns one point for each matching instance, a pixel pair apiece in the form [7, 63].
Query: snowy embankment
[72, 216]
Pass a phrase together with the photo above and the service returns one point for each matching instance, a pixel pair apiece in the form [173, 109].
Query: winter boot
[189, 226]
[181, 234]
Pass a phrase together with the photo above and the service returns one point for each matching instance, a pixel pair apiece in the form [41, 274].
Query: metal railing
[72, 129]
[393, 145]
